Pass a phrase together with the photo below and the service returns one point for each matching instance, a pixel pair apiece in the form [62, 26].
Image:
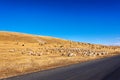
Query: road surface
[102, 69]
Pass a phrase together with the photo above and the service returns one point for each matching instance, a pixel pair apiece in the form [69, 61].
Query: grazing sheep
[31, 53]
[39, 54]
[71, 55]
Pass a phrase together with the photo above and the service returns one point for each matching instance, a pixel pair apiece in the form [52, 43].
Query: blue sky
[93, 21]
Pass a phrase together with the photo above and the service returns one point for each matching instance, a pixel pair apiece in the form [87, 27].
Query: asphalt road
[102, 69]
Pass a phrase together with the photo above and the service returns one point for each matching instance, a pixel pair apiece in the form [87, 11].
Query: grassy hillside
[24, 53]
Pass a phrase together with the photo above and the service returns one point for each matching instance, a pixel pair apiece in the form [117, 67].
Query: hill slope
[23, 53]
[26, 40]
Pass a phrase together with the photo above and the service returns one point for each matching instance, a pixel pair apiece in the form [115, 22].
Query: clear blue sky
[93, 21]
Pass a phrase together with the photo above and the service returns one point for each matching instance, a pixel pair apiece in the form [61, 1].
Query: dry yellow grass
[15, 60]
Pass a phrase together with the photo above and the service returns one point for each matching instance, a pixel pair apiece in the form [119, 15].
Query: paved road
[103, 69]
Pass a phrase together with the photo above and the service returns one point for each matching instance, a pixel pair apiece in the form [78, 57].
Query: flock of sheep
[62, 51]
[79, 51]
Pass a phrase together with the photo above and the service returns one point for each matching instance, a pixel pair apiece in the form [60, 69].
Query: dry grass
[16, 64]
[13, 62]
